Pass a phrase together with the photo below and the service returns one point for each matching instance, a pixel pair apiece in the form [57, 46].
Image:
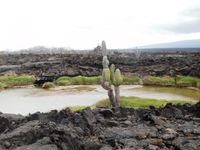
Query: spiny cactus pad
[112, 72]
[107, 74]
[118, 78]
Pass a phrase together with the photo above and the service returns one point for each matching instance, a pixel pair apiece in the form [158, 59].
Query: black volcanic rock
[104, 129]
[51, 66]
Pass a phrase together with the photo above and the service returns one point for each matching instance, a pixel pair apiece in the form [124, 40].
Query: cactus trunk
[111, 97]
[117, 96]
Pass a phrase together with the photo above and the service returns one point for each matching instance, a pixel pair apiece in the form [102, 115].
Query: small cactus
[110, 78]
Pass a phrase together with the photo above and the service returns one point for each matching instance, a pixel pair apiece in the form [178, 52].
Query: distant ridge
[178, 44]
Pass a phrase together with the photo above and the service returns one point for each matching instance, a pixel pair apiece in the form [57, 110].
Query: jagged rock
[103, 129]
[4, 124]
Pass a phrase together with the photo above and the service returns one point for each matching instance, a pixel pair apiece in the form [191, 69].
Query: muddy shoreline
[174, 127]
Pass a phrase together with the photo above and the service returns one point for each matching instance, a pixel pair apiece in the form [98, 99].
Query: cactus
[111, 77]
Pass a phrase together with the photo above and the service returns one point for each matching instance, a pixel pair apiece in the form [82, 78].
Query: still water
[30, 99]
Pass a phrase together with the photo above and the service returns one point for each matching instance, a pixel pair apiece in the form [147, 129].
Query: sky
[83, 24]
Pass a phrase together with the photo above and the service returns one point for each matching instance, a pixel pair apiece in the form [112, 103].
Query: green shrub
[131, 80]
[187, 81]
[11, 81]
[48, 85]
[159, 81]
[78, 80]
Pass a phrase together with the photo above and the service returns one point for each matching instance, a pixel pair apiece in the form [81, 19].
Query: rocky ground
[56, 65]
[172, 127]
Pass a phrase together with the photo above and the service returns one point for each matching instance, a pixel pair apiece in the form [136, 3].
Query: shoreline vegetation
[134, 102]
[127, 102]
[177, 81]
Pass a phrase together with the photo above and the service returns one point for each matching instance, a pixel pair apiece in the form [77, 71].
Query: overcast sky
[82, 24]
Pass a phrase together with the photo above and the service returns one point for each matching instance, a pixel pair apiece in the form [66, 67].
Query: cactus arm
[104, 49]
[112, 72]
[105, 62]
[118, 80]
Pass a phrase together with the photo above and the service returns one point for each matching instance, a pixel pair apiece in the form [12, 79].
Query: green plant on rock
[48, 85]
[111, 79]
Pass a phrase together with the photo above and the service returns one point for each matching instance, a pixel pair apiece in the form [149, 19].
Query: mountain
[177, 44]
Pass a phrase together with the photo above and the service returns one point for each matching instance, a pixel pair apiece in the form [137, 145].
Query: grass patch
[131, 102]
[11, 81]
[159, 81]
[84, 88]
[131, 80]
[48, 85]
[187, 81]
[78, 80]
[77, 108]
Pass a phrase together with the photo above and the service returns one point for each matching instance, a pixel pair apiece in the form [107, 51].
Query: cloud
[187, 22]
[194, 12]
[192, 26]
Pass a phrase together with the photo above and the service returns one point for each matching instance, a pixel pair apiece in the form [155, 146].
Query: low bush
[78, 80]
[159, 81]
[131, 80]
[11, 81]
[187, 81]
[48, 85]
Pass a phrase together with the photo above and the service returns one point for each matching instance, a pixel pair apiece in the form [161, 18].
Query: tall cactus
[111, 77]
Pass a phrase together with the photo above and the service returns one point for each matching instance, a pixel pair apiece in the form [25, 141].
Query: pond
[30, 99]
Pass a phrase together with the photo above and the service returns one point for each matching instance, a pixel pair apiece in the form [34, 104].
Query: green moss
[131, 102]
[11, 81]
[187, 81]
[159, 81]
[48, 85]
[78, 80]
[131, 80]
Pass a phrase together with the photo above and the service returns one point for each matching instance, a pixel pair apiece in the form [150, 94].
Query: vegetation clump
[132, 80]
[131, 102]
[84, 88]
[48, 85]
[187, 81]
[22, 80]
[159, 81]
[78, 80]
